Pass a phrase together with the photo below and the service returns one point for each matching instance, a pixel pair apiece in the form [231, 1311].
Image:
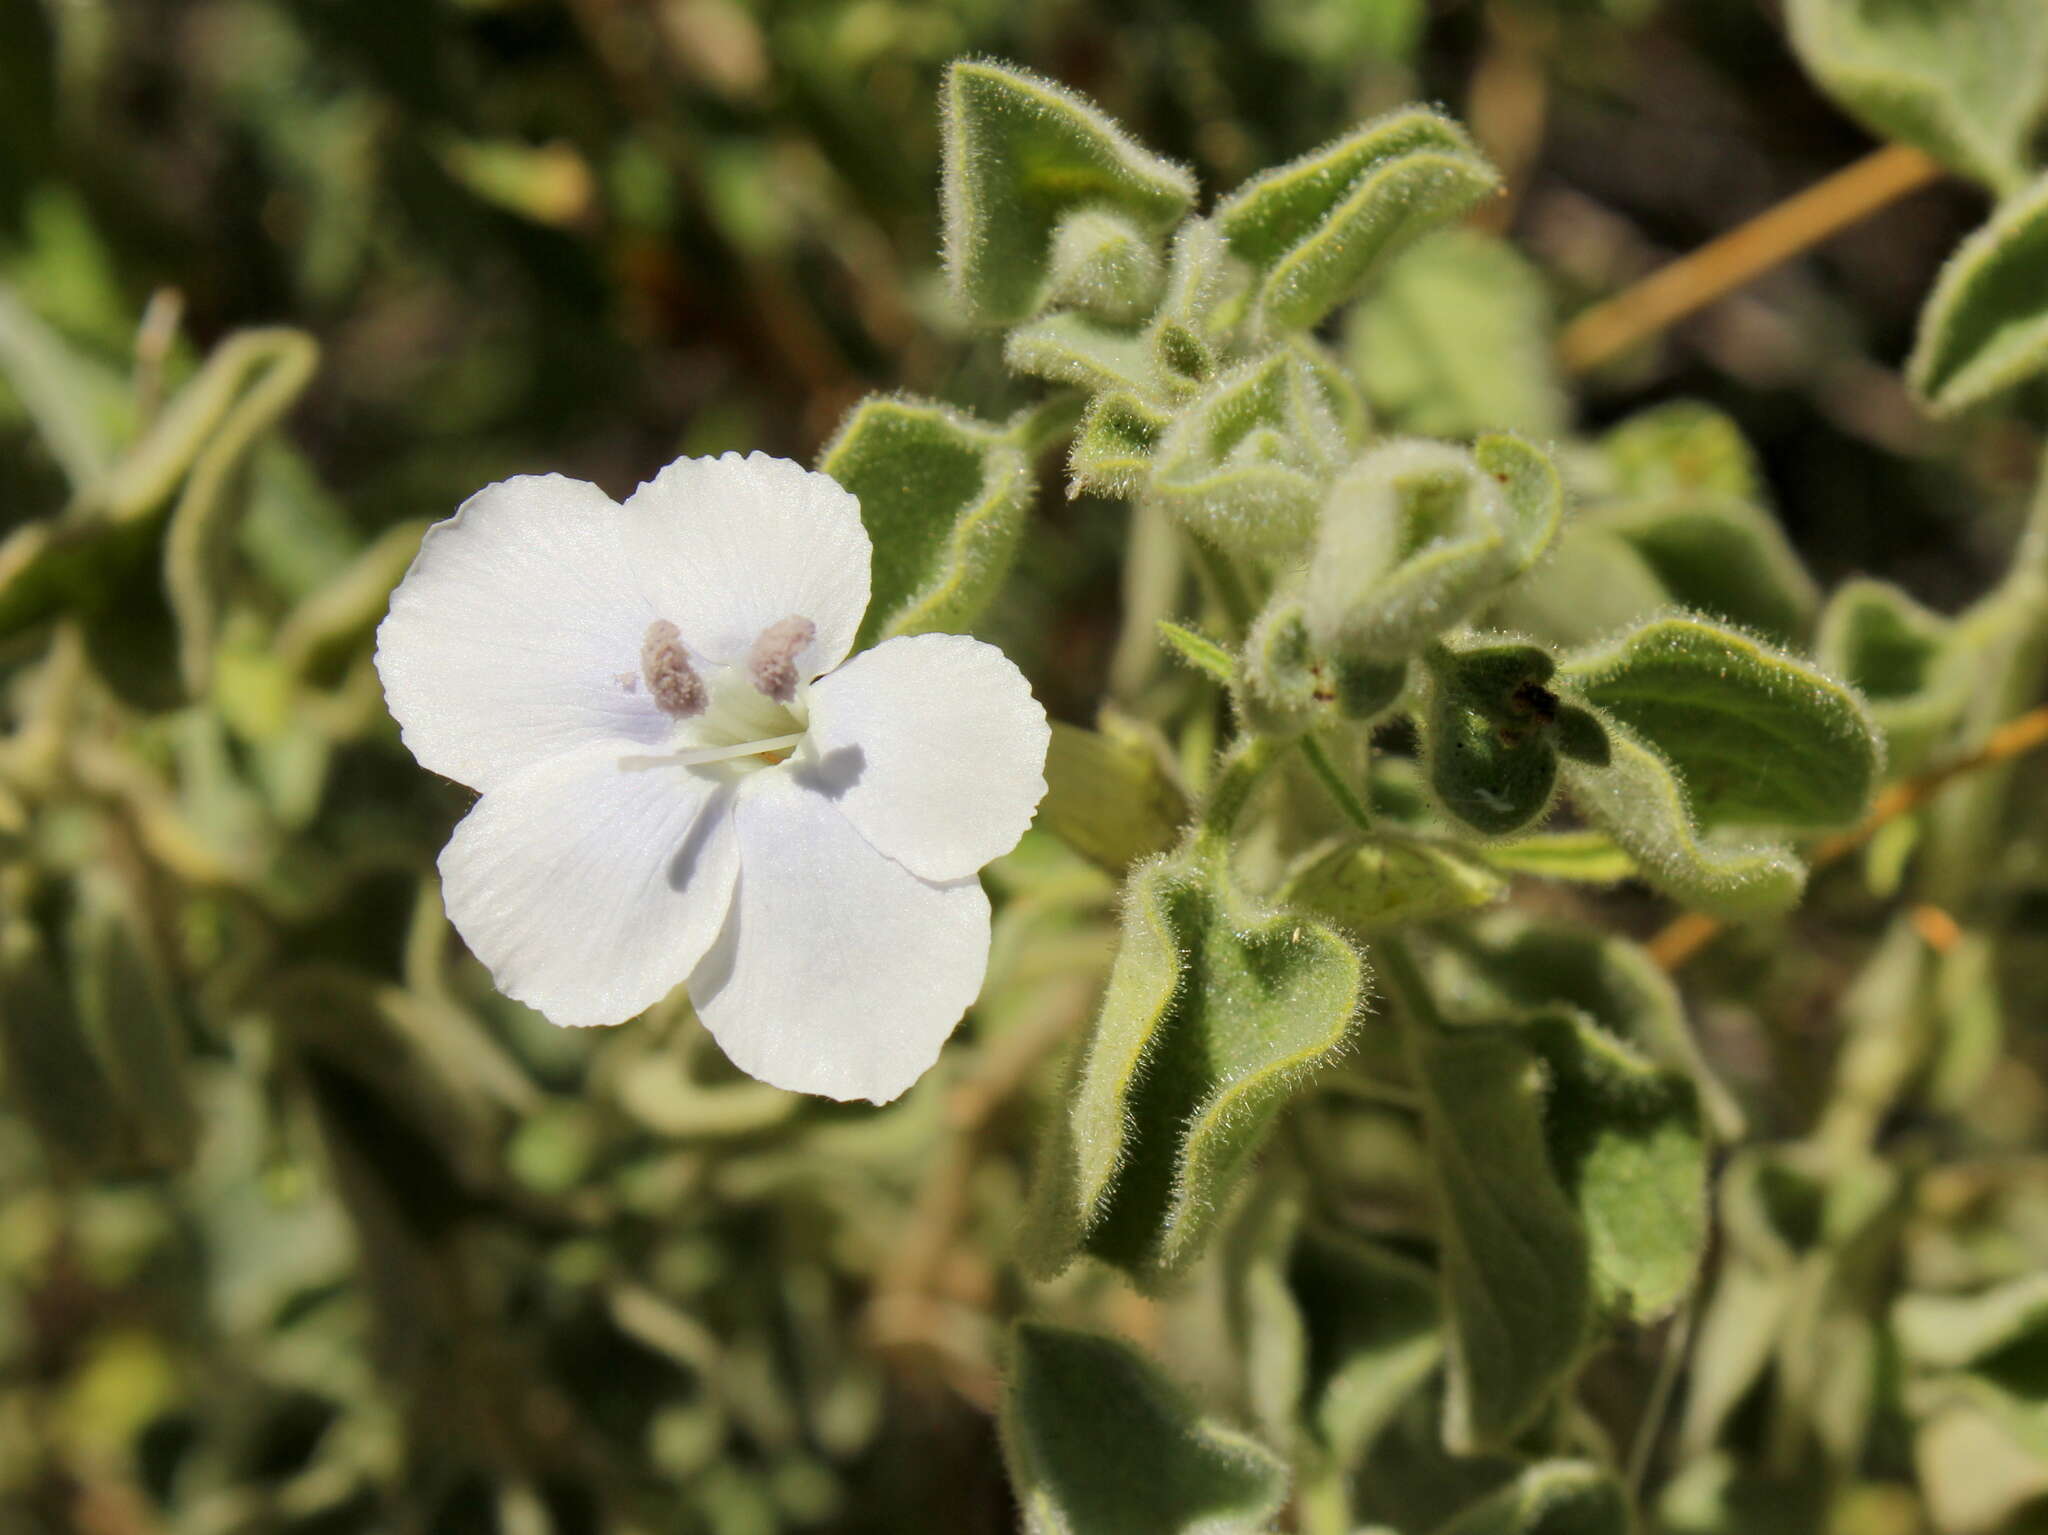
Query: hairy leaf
[1373, 1336]
[1068, 347]
[1518, 1291]
[1488, 734]
[1581, 856]
[1985, 326]
[944, 498]
[1098, 1440]
[1678, 448]
[1965, 80]
[1457, 339]
[1911, 665]
[1020, 154]
[1113, 447]
[1214, 1012]
[1105, 264]
[1755, 737]
[1315, 228]
[1416, 535]
[1723, 557]
[1246, 462]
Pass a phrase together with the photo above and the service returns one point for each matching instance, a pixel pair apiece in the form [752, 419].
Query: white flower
[679, 788]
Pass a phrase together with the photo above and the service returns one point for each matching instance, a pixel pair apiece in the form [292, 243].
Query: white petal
[724, 547]
[516, 634]
[839, 972]
[590, 890]
[934, 747]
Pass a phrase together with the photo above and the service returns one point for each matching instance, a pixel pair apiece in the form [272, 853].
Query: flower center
[751, 714]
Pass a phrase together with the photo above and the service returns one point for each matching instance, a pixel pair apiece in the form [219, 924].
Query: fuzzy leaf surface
[1109, 795]
[1214, 1012]
[944, 498]
[1553, 1497]
[1756, 737]
[1392, 877]
[1098, 1441]
[1965, 80]
[1985, 326]
[1315, 228]
[1020, 153]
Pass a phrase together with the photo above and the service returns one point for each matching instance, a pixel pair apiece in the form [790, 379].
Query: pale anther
[771, 664]
[670, 678]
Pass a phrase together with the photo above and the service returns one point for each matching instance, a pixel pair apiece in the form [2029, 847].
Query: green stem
[1155, 570]
[1397, 967]
[1226, 584]
[1340, 791]
[1249, 761]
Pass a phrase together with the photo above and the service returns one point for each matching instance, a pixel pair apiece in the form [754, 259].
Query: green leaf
[126, 1007]
[1215, 1011]
[1516, 1266]
[1593, 584]
[1965, 80]
[1246, 462]
[1458, 339]
[1756, 737]
[1488, 735]
[1586, 857]
[1637, 800]
[1098, 1442]
[1113, 447]
[1915, 670]
[1723, 557]
[1552, 1497]
[1105, 264]
[944, 498]
[1392, 878]
[1204, 301]
[1200, 652]
[1315, 228]
[1110, 794]
[1628, 1147]
[1990, 1348]
[1985, 326]
[1416, 535]
[54, 1076]
[1068, 347]
[1373, 1336]
[1682, 447]
[80, 407]
[1020, 155]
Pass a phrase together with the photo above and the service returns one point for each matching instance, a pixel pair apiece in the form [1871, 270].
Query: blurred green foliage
[304, 1229]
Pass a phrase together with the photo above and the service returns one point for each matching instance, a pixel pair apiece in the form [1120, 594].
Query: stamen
[772, 662]
[698, 756]
[676, 687]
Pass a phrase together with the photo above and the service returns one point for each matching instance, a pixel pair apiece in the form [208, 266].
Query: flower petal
[516, 633]
[724, 547]
[839, 972]
[589, 889]
[934, 747]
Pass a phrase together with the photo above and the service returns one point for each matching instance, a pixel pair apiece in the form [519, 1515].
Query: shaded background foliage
[392, 1254]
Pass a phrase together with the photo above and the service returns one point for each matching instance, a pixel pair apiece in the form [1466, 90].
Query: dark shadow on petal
[717, 809]
[832, 774]
[711, 973]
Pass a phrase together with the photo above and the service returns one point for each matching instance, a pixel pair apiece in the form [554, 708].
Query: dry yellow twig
[1685, 936]
[1719, 267]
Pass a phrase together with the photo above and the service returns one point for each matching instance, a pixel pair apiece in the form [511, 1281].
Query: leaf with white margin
[1552, 1497]
[1113, 446]
[1911, 664]
[944, 498]
[1458, 338]
[1315, 228]
[1965, 80]
[1416, 535]
[1206, 289]
[1720, 556]
[1098, 1440]
[1516, 1267]
[1985, 326]
[1246, 463]
[1214, 1013]
[1068, 347]
[1755, 737]
[1636, 799]
[1105, 265]
[1021, 153]
[1587, 857]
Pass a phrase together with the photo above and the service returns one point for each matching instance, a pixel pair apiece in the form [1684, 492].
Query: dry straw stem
[1685, 936]
[1719, 267]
